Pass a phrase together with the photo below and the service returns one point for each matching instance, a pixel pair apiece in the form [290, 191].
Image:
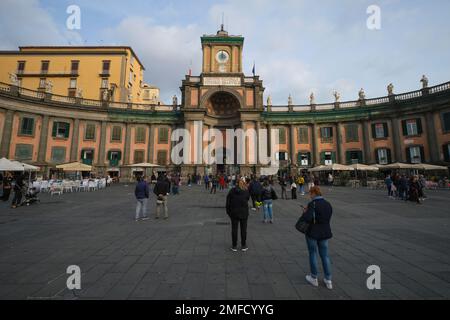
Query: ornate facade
[47, 129]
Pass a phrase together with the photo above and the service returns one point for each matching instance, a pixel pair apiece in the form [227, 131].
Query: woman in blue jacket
[318, 214]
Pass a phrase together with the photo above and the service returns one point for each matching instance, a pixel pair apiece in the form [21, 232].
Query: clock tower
[222, 53]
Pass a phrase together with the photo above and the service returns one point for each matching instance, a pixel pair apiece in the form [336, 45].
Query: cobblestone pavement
[188, 256]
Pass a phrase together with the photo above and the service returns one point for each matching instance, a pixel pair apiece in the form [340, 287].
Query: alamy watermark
[73, 21]
[374, 19]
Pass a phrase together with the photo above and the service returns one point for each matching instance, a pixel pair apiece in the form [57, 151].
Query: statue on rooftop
[14, 80]
[362, 94]
[175, 100]
[337, 96]
[49, 86]
[312, 99]
[290, 102]
[424, 81]
[390, 89]
[269, 100]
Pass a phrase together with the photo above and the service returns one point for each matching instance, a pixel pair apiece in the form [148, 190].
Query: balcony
[47, 74]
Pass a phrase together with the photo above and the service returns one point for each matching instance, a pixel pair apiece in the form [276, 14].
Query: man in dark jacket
[142, 194]
[237, 210]
[318, 214]
[255, 189]
[162, 190]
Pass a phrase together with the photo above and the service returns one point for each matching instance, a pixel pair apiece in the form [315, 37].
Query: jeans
[234, 231]
[141, 206]
[164, 205]
[302, 189]
[389, 188]
[175, 189]
[294, 193]
[268, 214]
[322, 245]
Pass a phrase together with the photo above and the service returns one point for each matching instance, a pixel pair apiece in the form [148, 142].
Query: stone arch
[222, 97]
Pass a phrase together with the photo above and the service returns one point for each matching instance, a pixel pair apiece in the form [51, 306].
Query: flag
[254, 69]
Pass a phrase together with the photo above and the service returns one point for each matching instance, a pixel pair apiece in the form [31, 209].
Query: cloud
[25, 22]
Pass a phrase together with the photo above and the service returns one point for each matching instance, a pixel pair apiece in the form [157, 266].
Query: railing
[249, 80]
[66, 100]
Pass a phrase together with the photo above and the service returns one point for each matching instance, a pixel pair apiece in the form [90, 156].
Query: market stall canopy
[74, 166]
[333, 167]
[26, 166]
[363, 167]
[429, 167]
[8, 165]
[143, 165]
[399, 165]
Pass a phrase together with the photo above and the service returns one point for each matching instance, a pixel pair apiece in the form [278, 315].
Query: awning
[333, 167]
[399, 165]
[143, 165]
[74, 166]
[26, 166]
[8, 165]
[429, 167]
[363, 167]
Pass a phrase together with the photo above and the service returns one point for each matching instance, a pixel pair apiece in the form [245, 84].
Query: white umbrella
[363, 167]
[399, 165]
[143, 165]
[26, 166]
[8, 165]
[429, 167]
[333, 167]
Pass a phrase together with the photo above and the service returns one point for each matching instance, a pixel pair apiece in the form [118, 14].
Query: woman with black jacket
[318, 215]
[237, 210]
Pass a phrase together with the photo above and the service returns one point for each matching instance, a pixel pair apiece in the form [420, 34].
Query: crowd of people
[406, 188]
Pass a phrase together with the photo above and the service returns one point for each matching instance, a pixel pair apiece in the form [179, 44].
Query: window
[327, 158]
[27, 126]
[74, 66]
[351, 133]
[412, 127]
[42, 83]
[61, 130]
[19, 82]
[163, 135]
[58, 154]
[354, 157]
[87, 156]
[415, 155]
[162, 157]
[132, 60]
[24, 152]
[130, 79]
[44, 67]
[105, 83]
[106, 66]
[303, 135]
[140, 135]
[114, 157]
[282, 156]
[20, 67]
[116, 133]
[446, 149]
[138, 156]
[73, 83]
[383, 156]
[89, 132]
[304, 159]
[326, 134]
[446, 121]
[379, 130]
[282, 133]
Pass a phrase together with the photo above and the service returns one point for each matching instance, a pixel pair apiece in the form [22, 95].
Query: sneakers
[234, 249]
[145, 218]
[244, 249]
[328, 284]
[311, 280]
[254, 209]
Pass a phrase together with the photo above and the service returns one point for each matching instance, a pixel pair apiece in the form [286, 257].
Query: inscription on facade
[222, 81]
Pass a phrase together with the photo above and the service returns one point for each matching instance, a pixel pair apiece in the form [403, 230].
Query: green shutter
[377, 158]
[374, 133]
[331, 133]
[389, 155]
[109, 155]
[333, 157]
[66, 135]
[419, 126]
[405, 130]
[446, 150]
[408, 156]
[309, 158]
[299, 158]
[422, 155]
[322, 158]
[360, 157]
[386, 130]
[54, 130]
[348, 159]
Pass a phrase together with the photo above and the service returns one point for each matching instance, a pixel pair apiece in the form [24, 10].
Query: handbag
[304, 226]
[273, 194]
[160, 199]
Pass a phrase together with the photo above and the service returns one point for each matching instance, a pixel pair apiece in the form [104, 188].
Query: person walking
[330, 179]
[214, 183]
[283, 185]
[422, 186]
[293, 190]
[161, 190]
[318, 213]
[268, 195]
[403, 188]
[255, 189]
[206, 182]
[414, 190]
[18, 191]
[388, 181]
[141, 193]
[7, 186]
[175, 181]
[237, 210]
[301, 184]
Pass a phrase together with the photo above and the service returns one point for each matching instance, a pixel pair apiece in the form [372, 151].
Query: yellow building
[86, 71]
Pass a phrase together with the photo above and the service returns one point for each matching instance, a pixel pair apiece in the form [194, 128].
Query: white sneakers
[315, 282]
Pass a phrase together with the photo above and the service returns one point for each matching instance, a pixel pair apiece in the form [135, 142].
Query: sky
[298, 46]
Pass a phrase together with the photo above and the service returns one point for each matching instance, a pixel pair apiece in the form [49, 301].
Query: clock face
[222, 56]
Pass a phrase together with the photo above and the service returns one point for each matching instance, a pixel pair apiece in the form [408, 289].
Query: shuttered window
[446, 121]
[61, 130]
[89, 133]
[163, 135]
[116, 134]
[27, 126]
[282, 137]
[162, 157]
[58, 154]
[140, 135]
[303, 137]
[351, 133]
[24, 152]
[138, 156]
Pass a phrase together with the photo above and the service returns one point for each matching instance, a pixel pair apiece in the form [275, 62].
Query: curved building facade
[47, 129]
